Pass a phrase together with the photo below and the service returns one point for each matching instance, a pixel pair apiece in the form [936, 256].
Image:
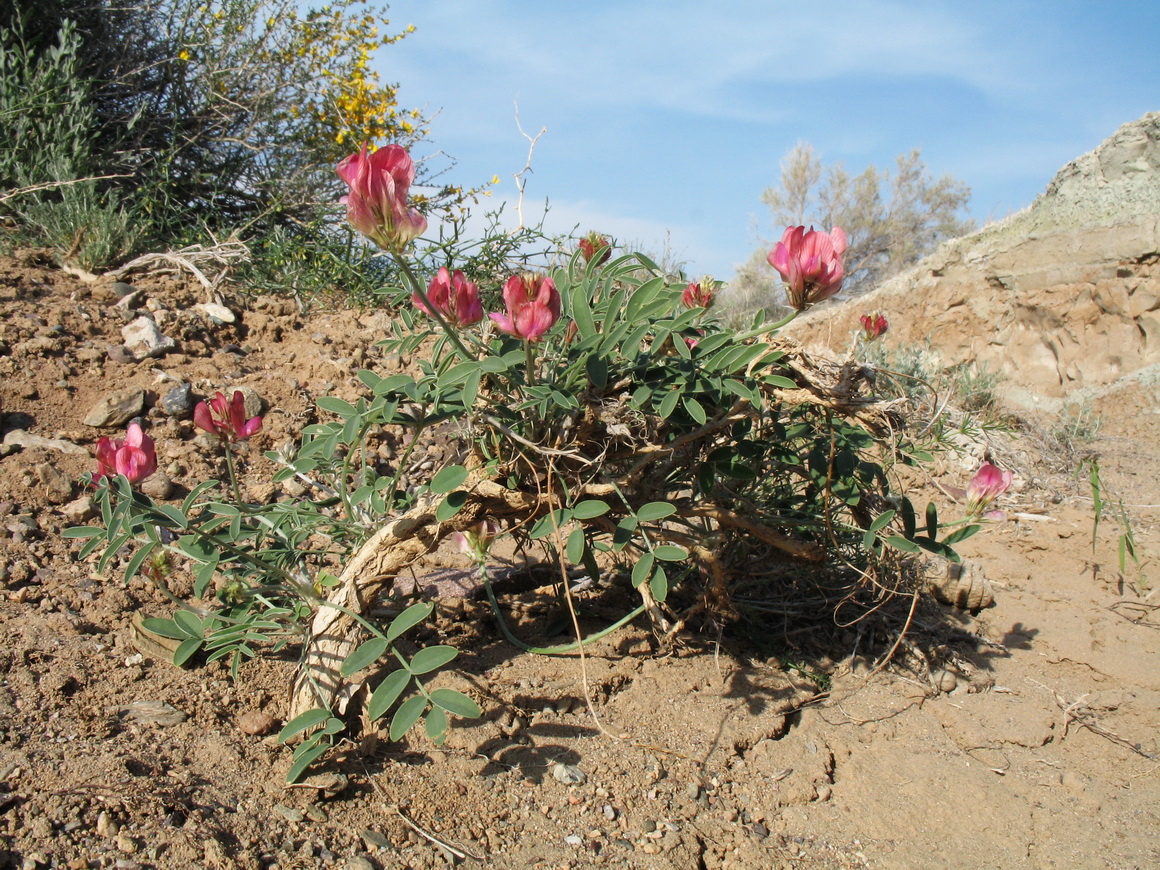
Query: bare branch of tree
[521, 181]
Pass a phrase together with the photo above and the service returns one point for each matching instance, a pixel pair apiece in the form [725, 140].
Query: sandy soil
[1021, 737]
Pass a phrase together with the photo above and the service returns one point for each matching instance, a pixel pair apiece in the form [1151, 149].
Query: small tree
[891, 221]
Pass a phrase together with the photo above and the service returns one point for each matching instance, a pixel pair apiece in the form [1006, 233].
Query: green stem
[549, 650]
[233, 473]
[419, 291]
[529, 363]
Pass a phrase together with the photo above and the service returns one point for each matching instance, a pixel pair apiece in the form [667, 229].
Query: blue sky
[668, 119]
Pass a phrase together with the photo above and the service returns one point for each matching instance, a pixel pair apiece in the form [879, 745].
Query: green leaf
[387, 693]
[670, 553]
[408, 619]
[304, 761]
[961, 534]
[407, 715]
[659, 584]
[196, 548]
[471, 390]
[138, 560]
[642, 570]
[82, 532]
[882, 520]
[694, 409]
[186, 650]
[164, 627]
[932, 521]
[437, 726]
[456, 703]
[432, 657]
[547, 525]
[204, 576]
[590, 508]
[779, 381]
[458, 373]
[902, 544]
[597, 369]
[175, 516]
[493, 365]
[451, 505]
[303, 722]
[655, 510]
[669, 403]
[366, 655]
[582, 311]
[190, 623]
[575, 547]
[449, 478]
[195, 493]
[742, 391]
[335, 405]
[642, 296]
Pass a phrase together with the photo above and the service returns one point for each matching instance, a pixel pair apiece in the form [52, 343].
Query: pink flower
[226, 418]
[873, 326]
[477, 540]
[377, 203]
[454, 297]
[533, 306]
[699, 294]
[134, 456]
[988, 484]
[811, 264]
[595, 247]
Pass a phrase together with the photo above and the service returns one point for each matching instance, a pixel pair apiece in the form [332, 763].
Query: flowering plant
[873, 326]
[605, 416]
[811, 264]
[133, 456]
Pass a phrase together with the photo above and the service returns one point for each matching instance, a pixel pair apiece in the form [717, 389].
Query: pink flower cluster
[699, 294]
[811, 264]
[988, 484]
[873, 326]
[226, 418]
[377, 203]
[133, 456]
[533, 306]
[595, 247]
[454, 297]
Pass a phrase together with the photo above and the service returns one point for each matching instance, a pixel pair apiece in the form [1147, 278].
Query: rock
[121, 355]
[178, 402]
[289, 813]
[144, 340]
[157, 485]
[25, 439]
[130, 301]
[57, 485]
[117, 409]
[256, 722]
[120, 289]
[568, 774]
[359, 862]
[218, 314]
[254, 404]
[153, 713]
[107, 826]
[79, 510]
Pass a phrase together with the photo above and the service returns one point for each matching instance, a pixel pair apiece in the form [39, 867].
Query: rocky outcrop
[1063, 295]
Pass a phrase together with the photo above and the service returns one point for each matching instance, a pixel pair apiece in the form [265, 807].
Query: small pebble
[289, 813]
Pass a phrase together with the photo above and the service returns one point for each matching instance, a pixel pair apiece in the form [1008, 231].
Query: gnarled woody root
[371, 572]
